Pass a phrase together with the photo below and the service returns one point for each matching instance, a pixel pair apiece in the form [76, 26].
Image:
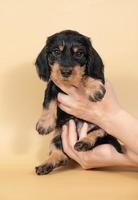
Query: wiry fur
[70, 57]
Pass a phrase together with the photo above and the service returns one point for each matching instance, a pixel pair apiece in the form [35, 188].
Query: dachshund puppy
[69, 57]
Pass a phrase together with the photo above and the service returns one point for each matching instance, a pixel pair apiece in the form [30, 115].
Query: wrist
[108, 120]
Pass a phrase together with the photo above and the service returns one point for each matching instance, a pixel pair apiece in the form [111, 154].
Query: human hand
[106, 113]
[100, 156]
[76, 103]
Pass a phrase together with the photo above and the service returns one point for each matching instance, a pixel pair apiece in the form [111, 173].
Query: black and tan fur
[69, 57]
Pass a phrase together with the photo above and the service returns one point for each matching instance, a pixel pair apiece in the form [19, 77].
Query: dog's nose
[66, 73]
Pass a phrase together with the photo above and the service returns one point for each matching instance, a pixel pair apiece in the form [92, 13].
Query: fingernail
[85, 124]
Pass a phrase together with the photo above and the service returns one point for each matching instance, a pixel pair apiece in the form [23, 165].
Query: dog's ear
[42, 66]
[94, 67]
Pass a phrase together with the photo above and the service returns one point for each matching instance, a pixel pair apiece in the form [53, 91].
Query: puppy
[69, 57]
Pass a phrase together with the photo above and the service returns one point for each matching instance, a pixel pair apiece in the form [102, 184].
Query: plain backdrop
[112, 26]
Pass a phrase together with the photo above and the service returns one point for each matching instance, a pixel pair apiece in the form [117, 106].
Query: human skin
[107, 114]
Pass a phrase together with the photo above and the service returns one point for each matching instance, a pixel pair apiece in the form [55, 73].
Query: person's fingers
[64, 137]
[66, 140]
[83, 131]
[73, 139]
[66, 144]
[64, 99]
[64, 88]
[72, 133]
[101, 156]
[65, 108]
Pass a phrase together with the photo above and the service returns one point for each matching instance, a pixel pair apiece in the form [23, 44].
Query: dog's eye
[78, 54]
[56, 52]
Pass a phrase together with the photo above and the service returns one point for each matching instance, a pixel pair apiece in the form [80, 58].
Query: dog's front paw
[97, 94]
[43, 127]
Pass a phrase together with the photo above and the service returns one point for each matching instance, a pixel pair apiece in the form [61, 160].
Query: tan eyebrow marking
[61, 47]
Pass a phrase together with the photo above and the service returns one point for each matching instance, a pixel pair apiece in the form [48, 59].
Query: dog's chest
[63, 118]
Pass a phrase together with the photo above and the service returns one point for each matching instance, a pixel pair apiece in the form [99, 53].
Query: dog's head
[68, 55]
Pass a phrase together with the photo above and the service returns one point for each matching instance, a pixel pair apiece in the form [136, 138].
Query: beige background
[24, 26]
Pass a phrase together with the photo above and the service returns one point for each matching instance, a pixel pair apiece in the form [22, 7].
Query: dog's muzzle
[66, 72]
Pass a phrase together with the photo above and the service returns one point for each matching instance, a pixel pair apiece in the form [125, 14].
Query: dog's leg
[94, 88]
[88, 142]
[109, 139]
[47, 121]
[56, 157]
[95, 138]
